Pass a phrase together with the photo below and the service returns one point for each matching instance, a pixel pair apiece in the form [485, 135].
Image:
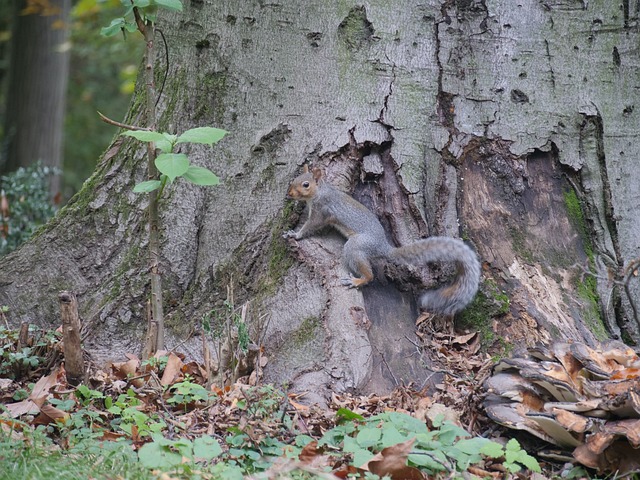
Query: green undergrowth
[112, 437]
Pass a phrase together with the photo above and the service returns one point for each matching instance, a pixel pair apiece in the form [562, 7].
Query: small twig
[384, 361]
[166, 70]
[121, 125]
[139, 21]
[4, 317]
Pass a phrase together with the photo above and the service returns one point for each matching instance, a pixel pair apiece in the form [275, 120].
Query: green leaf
[406, 422]
[472, 446]
[175, 5]
[492, 450]
[204, 135]
[170, 137]
[392, 436]
[434, 460]
[148, 186]
[173, 165]
[114, 27]
[513, 445]
[514, 453]
[361, 456]
[201, 176]
[368, 437]
[144, 135]
[154, 455]
[530, 462]
[450, 432]
[346, 414]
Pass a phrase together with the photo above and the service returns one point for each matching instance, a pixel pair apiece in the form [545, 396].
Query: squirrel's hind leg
[357, 262]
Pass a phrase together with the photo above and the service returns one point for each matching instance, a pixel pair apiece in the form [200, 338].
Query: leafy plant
[447, 448]
[140, 15]
[227, 325]
[25, 204]
[187, 392]
[127, 413]
[127, 22]
[17, 360]
[157, 363]
[86, 396]
[175, 165]
[164, 453]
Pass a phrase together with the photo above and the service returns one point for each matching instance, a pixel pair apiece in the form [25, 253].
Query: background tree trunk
[512, 125]
[38, 77]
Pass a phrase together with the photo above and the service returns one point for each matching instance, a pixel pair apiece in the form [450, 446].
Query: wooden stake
[73, 362]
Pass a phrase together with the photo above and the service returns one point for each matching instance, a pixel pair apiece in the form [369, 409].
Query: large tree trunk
[38, 77]
[512, 125]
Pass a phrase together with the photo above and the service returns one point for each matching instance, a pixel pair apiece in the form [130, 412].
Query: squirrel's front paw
[348, 282]
[290, 234]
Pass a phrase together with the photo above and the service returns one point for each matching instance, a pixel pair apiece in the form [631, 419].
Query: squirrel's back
[350, 216]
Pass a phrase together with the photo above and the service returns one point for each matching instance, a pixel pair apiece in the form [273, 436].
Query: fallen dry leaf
[36, 399]
[172, 371]
[392, 462]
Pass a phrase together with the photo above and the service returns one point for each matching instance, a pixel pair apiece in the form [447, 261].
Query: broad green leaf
[472, 446]
[514, 453]
[462, 459]
[148, 186]
[144, 135]
[155, 455]
[204, 135]
[130, 27]
[367, 437]
[201, 176]
[302, 440]
[350, 444]
[530, 462]
[450, 432]
[172, 165]
[492, 450]
[175, 5]
[392, 436]
[406, 422]
[361, 456]
[170, 137]
[114, 27]
[513, 445]
[434, 460]
[164, 146]
[346, 414]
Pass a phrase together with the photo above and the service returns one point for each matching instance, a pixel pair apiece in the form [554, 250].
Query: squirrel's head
[305, 185]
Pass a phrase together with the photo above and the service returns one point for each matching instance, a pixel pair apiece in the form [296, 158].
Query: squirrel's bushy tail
[454, 297]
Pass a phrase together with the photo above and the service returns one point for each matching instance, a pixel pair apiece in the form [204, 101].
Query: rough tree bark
[38, 77]
[511, 124]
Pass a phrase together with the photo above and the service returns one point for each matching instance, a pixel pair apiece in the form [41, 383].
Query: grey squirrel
[366, 241]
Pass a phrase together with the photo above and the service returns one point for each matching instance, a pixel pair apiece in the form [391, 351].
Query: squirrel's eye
[305, 184]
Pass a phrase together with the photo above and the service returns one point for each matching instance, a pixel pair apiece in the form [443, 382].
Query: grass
[32, 455]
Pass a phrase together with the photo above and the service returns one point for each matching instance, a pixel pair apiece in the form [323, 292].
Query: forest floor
[164, 419]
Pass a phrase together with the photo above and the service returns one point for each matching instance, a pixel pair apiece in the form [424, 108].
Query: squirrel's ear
[317, 173]
[305, 168]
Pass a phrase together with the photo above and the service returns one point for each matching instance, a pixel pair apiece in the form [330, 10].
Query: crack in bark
[385, 103]
[551, 72]
[625, 12]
